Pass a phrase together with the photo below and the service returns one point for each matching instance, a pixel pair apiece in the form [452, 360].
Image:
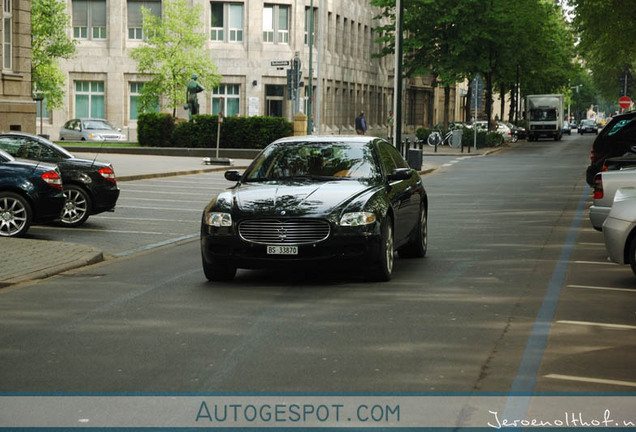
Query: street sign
[477, 87]
[624, 102]
[280, 62]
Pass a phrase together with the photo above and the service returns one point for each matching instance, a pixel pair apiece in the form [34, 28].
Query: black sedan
[588, 125]
[90, 187]
[308, 200]
[29, 193]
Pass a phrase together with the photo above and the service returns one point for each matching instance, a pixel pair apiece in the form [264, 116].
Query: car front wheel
[383, 267]
[77, 206]
[418, 244]
[15, 215]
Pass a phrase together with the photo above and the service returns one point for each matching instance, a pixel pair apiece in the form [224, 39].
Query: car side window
[11, 146]
[391, 158]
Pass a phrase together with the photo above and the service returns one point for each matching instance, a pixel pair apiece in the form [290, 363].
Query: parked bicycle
[436, 139]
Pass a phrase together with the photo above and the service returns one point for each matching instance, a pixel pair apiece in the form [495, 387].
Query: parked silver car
[619, 228]
[606, 183]
[90, 130]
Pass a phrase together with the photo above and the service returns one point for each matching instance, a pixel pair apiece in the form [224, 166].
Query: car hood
[295, 198]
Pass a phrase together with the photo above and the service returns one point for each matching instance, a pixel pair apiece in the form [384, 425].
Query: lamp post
[39, 98]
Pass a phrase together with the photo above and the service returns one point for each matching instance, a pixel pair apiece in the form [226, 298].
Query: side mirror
[232, 175]
[400, 174]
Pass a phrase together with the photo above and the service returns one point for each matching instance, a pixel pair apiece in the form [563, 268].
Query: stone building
[17, 107]
[250, 42]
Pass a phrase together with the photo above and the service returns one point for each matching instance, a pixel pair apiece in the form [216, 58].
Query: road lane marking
[160, 208]
[163, 192]
[162, 200]
[598, 324]
[603, 288]
[525, 381]
[596, 262]
[591, 380]
[156, 245]
[140, 219]
[50, 228]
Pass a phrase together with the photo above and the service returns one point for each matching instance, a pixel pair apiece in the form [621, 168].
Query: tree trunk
[489, 99]
[502, 102]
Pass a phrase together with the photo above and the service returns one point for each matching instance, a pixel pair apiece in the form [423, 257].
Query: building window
[307, 24]
[135, 20]
[89, 19]
[226, 99]
[135, 101]
[276, 24]
[89, 99]
[7, 35]
[227, 21]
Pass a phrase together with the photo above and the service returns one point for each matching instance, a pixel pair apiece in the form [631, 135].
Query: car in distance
[619, 229]
[90, 130]
[314, 200]
[29, 193]
[90, 187]
[588, 126]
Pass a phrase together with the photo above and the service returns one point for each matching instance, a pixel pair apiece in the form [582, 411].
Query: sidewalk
[29, 259]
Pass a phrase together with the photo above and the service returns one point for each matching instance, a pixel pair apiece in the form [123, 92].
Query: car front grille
[292, 231]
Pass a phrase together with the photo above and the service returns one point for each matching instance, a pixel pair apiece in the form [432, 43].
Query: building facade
[250, 41]
[17, 107]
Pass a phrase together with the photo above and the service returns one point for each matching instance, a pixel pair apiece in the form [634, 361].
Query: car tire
[632, 254]
[417, 246]
[218, 270]
[383, 268]
[77, 207]
[15, 215]
[514, 138]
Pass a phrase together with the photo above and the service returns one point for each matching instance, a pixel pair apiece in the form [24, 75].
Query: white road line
[447, 165]
[163, 187]
[162, 192]
[142, 220]
[591, 380]
[597, 324]
[104, 230]
[161, 200]
[592, 244]
[160, 208]
[596, 262]
[603, 288]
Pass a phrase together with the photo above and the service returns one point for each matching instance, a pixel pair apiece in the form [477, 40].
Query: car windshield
[588, 123]
[98, 125]
[311, 160]
[541, 114]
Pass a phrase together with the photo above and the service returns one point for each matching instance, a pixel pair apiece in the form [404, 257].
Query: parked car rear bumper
[598, 214]
[615, 233]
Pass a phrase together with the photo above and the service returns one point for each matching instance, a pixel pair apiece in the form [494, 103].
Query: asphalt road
[489, 309]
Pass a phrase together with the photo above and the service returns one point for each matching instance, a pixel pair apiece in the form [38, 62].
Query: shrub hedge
[161, 130]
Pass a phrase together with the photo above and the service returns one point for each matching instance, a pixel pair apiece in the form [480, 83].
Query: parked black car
[29, 193]
[90, 187]
[616, 139]
[309, 200]
[516, 132]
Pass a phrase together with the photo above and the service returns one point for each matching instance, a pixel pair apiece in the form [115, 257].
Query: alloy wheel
[14, 215]
[76, 207]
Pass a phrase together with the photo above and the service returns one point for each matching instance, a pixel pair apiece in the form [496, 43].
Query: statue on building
[191, 96]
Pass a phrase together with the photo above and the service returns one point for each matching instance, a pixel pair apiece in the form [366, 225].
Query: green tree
[172, 51]
[504, 40]
[606, 30]
[49, 42]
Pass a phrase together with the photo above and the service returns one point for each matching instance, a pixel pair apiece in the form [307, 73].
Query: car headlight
[218, 219]
[357, 219]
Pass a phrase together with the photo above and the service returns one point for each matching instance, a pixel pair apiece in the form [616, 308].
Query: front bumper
[358, 246]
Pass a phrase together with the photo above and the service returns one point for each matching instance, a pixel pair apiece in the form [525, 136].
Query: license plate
[282, 250]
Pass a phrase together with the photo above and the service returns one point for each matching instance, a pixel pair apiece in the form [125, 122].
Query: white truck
[544, 114]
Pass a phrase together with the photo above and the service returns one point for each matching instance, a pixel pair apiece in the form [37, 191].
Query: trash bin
[414, 159]
[456, 138]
